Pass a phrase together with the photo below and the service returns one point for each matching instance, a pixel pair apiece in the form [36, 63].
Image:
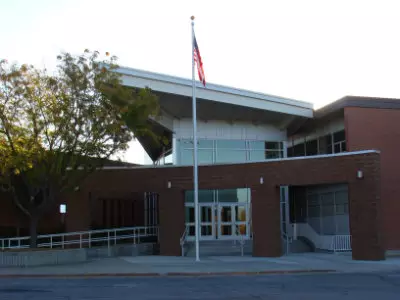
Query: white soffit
[183, 87]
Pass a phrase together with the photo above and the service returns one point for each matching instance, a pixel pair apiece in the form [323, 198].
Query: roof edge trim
[213, 87]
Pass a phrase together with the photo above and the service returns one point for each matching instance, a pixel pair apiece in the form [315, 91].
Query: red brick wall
[266, 226]
[368, 128]
[14, 222]
[364, 196]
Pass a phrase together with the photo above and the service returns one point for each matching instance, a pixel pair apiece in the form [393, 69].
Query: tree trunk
[33, 231]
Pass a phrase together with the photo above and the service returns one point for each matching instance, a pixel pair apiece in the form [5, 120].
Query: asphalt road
[317, 286]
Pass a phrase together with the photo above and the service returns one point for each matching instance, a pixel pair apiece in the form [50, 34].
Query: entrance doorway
[220, 221]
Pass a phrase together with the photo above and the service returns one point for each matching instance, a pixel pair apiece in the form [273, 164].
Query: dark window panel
[311, 147]
[298, 150]
[273, 145]
[273, 154]
[339, 136]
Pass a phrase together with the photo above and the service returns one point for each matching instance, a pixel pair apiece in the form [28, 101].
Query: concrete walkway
[181, 266]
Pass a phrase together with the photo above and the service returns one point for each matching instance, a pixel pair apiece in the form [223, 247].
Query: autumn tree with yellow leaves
[57, 129]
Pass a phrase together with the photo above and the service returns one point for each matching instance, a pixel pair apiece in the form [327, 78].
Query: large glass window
[205, 196]
[241, 195]
[228, 151]
[204, 156]
[327, 209]
[327, 144]
[265, 150]
[231, 151]
[311, 147]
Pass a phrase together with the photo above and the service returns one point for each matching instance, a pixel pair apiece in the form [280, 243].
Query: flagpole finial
[192, 18]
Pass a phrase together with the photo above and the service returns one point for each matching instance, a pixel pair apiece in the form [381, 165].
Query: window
[265, 150]
[273, 146]
[311, 147]
[241, 195]
[325, 144]
[204, 196]
[227, 151]
[298, 150]
[339, 136]
[339, 141]
[231, 151]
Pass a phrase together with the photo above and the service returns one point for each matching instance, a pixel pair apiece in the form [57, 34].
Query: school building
[275, 175]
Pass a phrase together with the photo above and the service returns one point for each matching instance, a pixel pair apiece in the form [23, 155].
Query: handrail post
[51, 242]
[19, 243]
[62, 241]
[90, 239]
[108, 243]
[287, 244]
[115, 237]
[80, 240]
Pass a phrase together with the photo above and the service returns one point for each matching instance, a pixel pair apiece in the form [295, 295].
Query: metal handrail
[341, 243]
[163, 155]
[288, 239]
[183, 239]
[83, 238]
[241, 240]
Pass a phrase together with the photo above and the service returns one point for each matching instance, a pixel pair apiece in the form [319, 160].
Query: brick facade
[373, 128]
[364, 196]
[122, 184]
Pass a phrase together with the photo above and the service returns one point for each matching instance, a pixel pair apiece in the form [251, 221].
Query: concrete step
[299, 246]
[219, 248]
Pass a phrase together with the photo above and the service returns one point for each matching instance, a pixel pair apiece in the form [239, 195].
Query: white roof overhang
[214, 102]
[218, 93]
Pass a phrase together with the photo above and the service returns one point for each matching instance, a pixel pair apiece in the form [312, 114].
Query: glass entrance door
[219, 221]
[233, 220]
[225, 218]
[207, 221]
[242, 220]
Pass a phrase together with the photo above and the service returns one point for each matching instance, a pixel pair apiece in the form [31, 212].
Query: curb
[168, 274]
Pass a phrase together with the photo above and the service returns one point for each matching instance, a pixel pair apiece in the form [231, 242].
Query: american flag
[197, 59]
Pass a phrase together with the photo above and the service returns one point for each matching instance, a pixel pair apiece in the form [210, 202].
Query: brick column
[139, 211]
[365, 220]
[266, 221]
[172, 221]
[78, 216]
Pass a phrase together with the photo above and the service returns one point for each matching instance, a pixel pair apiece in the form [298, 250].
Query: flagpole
[195, 168]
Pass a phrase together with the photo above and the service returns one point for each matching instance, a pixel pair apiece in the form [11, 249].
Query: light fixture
[63, 208]
[261, 180]
[360, 174]
[169, 184]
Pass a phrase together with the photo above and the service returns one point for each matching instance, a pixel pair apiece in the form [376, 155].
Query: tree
[57, 129]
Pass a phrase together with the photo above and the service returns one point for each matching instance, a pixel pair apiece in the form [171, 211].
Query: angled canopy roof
[183, 87]
[214, 102]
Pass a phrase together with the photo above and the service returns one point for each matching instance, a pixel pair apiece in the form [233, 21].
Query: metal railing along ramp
[334, 243]
[86, 239]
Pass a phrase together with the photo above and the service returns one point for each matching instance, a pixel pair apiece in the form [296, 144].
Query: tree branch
[18, 203]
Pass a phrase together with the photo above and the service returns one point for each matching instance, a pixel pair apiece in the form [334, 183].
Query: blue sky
[311, 50]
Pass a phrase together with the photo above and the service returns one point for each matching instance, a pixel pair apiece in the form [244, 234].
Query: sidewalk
[186, 266]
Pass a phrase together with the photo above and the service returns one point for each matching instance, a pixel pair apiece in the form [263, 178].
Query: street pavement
[163, 265]
[382, 285]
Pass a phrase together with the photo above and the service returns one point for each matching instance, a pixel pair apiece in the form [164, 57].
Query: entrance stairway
[233, 248]
[296, 246]
[219, 248]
